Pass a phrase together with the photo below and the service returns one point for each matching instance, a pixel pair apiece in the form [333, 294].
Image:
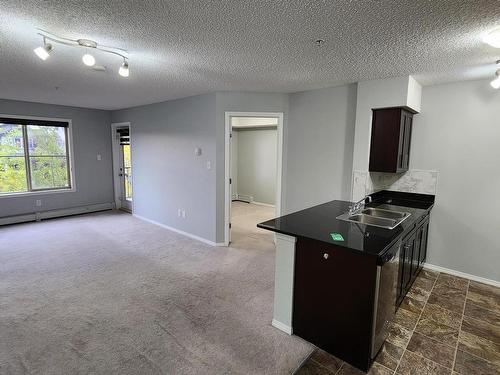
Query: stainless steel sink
[386, 214]
[376, 217]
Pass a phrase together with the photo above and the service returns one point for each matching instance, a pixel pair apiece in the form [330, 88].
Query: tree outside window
[33, 157]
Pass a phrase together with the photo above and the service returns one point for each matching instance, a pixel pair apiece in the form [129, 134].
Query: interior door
[125, 169]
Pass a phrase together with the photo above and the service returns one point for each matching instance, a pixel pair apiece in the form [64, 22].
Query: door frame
[227, 171]
[116, 162]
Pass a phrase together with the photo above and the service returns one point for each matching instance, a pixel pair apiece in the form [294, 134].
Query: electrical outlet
[38, 203]
[179, 212]
[99, 157]
[183, 214]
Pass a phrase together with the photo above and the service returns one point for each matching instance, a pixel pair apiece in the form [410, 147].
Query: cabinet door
[401, 147]
[408, 246]
[423, 243]
[401, 289]
[407, 139]
[415, 263]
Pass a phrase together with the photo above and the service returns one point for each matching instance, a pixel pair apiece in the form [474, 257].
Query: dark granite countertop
[319, 221]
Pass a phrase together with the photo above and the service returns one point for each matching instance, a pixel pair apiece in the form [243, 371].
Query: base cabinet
[332, 305]
[413, 255]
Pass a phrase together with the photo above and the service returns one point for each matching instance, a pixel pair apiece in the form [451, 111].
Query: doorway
[122, 166]
[253, 170]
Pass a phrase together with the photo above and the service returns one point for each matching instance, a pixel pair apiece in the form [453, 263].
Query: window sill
[39, 192]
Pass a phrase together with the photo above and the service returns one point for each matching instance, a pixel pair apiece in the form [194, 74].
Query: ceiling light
[123, 71]
[496, 82]
[43, 52]
[88, 59]
[493, 38]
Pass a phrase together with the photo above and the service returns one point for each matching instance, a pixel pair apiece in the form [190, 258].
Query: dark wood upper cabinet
[391, 139]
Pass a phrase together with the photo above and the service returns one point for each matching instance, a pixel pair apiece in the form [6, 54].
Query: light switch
[99, 157]
[209, 165]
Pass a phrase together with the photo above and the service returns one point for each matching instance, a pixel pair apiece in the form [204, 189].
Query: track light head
[124, 71]
[496, 82]
[43, 52]
[88, 59]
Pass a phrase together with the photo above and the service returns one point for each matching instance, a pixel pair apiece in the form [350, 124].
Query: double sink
[376, 217]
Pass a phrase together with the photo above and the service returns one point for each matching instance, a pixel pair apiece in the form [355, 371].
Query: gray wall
[257, 161]
[320, 146]
[91, 136]
[457, 133]
[242, 102]
[167, 173]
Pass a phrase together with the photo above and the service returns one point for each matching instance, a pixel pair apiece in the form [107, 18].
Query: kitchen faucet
[357, 206]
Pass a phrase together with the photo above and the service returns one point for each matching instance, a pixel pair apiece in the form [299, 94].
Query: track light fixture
[88, 59]
[493, 38]
[123, 71]
[43, 52]
[496, 82]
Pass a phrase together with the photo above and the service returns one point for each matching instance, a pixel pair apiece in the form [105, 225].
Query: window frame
[69, 158]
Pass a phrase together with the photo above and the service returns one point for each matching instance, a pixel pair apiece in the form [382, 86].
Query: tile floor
[445, 325]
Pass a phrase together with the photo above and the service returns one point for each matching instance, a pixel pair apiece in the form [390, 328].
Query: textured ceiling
[186, 47]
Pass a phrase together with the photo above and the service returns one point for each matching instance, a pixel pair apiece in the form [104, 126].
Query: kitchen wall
[319, 146]
[168, 176]
[94, 178]
[457, 134]
[256, 163]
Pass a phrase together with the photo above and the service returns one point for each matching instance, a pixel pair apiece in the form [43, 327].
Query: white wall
[91, 136]
[257, 162]
[167, 173]
[458, 134]
[319, 146]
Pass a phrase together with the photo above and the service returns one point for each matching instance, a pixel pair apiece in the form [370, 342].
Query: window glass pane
[12, 174]
[46, 140]
[11, 140]
[49, 172]
[127, 173]
[12, 164]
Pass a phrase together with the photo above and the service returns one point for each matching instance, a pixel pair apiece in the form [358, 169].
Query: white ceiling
[186, 47]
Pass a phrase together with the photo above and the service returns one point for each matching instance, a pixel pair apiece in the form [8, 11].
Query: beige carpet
[109, 294]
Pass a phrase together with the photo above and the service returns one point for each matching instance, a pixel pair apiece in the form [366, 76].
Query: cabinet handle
[325, 255]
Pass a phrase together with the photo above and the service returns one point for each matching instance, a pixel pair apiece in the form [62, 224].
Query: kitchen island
[337, 282]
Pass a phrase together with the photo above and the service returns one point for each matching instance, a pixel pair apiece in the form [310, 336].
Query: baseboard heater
[38, 216]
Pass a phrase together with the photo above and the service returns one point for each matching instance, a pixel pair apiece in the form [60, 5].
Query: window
[33, 155]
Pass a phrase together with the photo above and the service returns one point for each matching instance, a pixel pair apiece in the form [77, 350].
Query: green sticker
[337, 236]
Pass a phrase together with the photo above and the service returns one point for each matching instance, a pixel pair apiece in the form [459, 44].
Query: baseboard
[281, 326]
[50, 214]
[263, 204]
[479, 279]
[193, 236]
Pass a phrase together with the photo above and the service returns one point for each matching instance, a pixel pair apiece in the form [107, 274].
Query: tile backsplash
[413, 181]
